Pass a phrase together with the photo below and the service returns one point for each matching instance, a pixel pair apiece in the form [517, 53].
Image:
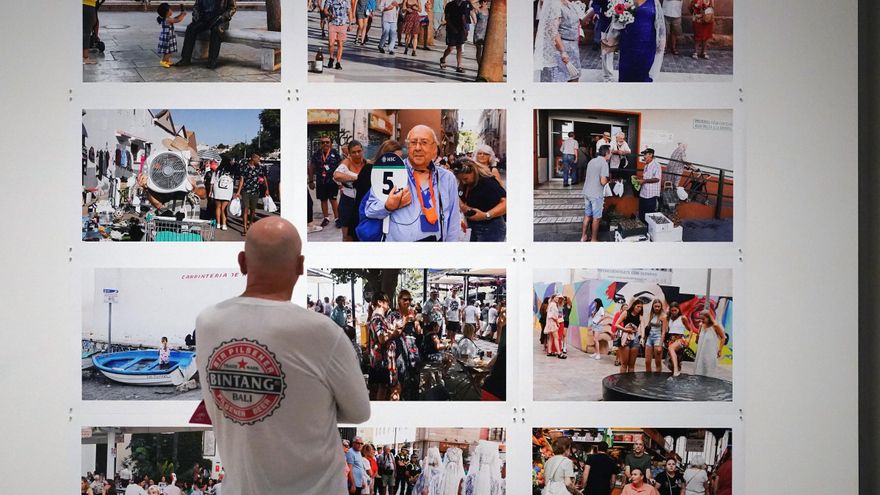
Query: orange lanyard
[429, 213]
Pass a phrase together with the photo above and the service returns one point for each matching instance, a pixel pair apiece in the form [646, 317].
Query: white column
[111, 456]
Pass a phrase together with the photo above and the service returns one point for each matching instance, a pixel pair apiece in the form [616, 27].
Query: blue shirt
[358, 470]
[405, 225]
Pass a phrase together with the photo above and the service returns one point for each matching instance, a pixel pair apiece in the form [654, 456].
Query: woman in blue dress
[642, 43]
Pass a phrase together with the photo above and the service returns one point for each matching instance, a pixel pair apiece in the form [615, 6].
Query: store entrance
[586, 134]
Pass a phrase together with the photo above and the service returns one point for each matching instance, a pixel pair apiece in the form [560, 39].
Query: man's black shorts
[326, 191]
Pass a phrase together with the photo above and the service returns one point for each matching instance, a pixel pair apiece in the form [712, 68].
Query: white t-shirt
[614, 162]
[569, 146]
[134, 489]
[347, 187]
[493, 315]
[453, 306]
[389, 15]
[672, 8]
[277, 379]
[600, 313]
[173, 490]
[466, 349]
[602, 142]
[471, 314]
[694, 480]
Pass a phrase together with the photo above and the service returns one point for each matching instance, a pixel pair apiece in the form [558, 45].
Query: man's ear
[242, 263]
[300, 265]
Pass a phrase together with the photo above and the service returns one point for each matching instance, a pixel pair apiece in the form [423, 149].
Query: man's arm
[347, 384]
[453, 220]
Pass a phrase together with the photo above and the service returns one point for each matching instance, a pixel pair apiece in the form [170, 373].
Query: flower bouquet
[621, 12]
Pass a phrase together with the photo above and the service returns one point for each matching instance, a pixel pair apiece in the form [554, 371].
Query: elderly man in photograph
[277, 378]
[212, 16]
[427, 210]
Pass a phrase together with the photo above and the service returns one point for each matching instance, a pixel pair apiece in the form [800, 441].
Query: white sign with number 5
[389, 174]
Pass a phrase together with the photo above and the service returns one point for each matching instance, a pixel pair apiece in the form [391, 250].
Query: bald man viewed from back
[277, 378]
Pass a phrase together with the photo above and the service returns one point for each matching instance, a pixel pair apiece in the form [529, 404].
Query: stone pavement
[131, 39]
[366, 64]
[580, 377]
[676, 68]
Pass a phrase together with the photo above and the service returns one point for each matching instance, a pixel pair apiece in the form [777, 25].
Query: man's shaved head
[272, 257]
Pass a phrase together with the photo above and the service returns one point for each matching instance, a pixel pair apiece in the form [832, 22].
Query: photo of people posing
[420, 334]
[633, 334]
[407, 175]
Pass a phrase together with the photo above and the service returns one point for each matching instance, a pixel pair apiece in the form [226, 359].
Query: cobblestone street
[366, 64]
[131, 39]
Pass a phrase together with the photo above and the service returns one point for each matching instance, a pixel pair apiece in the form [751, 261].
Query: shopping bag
[234, 208]
[269, 204]
[607, 192]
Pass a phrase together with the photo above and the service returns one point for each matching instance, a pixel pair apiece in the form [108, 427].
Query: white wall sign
[713, 125]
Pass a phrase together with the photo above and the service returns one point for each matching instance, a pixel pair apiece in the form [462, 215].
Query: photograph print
[195, 41]
[633, 334]
[181, 175]
[407, 41]
[138, 330]
[408, 175]
[420, 334]
[640, 41]
[633, 175]
[631, 461]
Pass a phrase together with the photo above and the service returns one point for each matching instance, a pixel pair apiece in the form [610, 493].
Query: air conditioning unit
[167, 172]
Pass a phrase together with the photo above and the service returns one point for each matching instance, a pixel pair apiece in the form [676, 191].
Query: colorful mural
[614, 294]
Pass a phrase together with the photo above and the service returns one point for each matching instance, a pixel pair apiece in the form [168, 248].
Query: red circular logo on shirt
[246, 380]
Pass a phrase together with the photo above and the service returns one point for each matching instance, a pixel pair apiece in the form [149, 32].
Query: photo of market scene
[426, 461]
[633, 176]
[138, 330]
[633, 41]
[633, 334]
[123, 459]
[407, 41]
[420, 334]
[379, 175]
[185, 41]
[178, 175]
[631, 461]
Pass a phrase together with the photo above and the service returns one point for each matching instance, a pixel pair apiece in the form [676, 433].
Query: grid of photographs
[600, 290]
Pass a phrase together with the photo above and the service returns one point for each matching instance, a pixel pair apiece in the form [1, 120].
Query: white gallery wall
[788, 78]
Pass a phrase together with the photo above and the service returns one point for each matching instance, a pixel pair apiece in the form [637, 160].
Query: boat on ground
[143, 368]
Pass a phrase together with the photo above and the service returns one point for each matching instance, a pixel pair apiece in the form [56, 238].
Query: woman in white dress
[484, 476]
[557, 54]
[710, 342]
[432, 473]
[453, 472]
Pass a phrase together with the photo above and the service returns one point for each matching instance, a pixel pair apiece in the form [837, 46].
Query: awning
[130, 136]
[210, 154]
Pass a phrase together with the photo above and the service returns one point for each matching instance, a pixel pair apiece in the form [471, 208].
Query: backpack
[368, 229]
